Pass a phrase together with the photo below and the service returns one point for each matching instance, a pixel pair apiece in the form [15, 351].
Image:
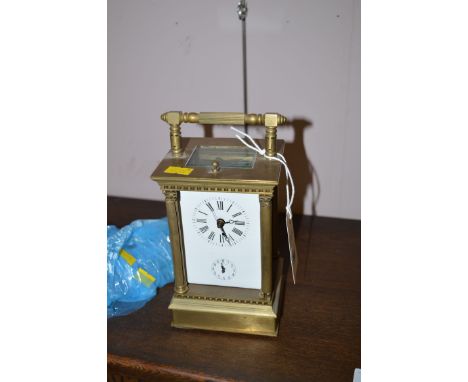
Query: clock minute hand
[232, 221]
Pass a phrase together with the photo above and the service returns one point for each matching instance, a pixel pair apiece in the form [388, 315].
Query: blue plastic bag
[139, 260]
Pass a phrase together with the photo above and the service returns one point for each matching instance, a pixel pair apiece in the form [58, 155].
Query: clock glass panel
[227, 157]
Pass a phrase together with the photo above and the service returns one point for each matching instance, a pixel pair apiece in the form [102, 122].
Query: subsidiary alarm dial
[223, 269]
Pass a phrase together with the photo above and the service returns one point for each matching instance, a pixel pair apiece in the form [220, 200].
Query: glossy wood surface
[319, 334]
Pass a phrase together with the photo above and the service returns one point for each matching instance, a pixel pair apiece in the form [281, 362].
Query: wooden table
[319, 336]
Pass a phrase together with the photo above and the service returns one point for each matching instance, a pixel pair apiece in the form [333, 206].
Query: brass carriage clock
[221, 201]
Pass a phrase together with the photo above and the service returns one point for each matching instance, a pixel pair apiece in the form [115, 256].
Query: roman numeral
[229, 207]
[211, 236]
[201, 220]
[220, 204]
[239, 213]
[223, 239]
[210, 206]
[204, 229]
[238, 222]
[237, 231]
[203, 213]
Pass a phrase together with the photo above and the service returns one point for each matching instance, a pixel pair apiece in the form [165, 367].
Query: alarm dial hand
[210, 207]
[212, 212]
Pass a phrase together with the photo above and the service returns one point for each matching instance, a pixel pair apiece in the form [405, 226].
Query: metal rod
[242, 13]
[244, 68]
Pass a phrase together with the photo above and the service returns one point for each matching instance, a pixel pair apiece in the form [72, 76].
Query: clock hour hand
[233, 221]
[225, 236]
[220, 224]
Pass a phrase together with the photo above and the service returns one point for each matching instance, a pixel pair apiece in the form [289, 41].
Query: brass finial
[215, 167]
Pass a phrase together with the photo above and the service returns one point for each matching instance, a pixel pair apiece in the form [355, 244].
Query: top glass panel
[227, 156]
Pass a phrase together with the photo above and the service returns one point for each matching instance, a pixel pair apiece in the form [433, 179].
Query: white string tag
[292, 246]
[289, 196]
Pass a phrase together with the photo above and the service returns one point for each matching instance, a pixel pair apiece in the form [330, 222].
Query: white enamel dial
[221, 221]
[221, 238]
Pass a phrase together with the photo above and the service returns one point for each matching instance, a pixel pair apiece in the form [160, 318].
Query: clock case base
[255, 317]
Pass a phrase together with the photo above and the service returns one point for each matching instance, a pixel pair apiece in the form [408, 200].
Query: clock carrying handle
[270, 120]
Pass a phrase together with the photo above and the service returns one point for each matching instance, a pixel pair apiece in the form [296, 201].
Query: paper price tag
[178, 170]
[292, 247]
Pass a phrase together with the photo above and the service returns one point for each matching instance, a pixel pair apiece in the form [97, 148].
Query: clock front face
[221, 235]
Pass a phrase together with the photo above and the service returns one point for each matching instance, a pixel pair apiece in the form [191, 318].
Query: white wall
[303, 62]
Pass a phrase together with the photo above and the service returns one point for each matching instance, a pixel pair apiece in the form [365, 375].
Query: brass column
[173, 217]
[270, 140]
[174, 119]
[174, 132]
[267, 242]
[272, 120]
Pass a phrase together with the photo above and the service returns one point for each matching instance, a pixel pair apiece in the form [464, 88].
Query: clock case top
[265, 173]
